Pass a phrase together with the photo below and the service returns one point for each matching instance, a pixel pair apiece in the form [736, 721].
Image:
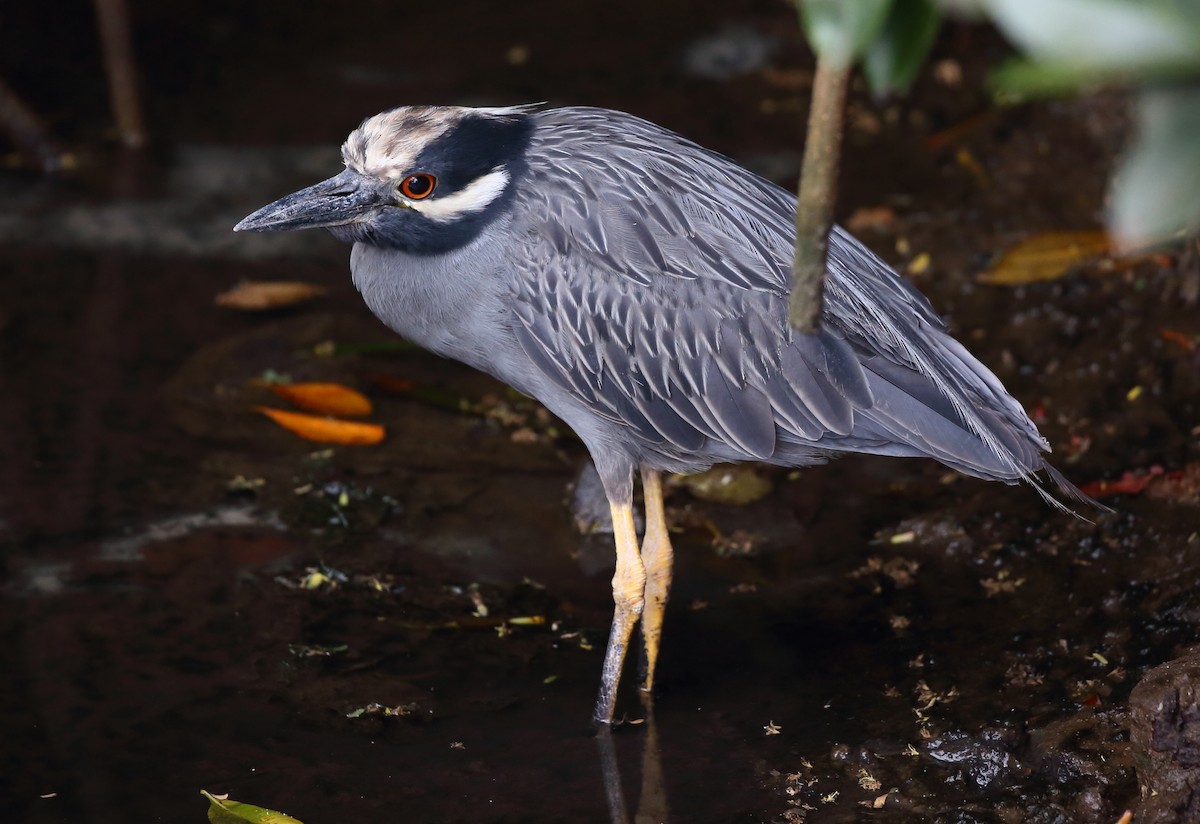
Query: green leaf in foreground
[1106, 35]
[1023, 79]
[895, 56]
[1156, 190]
[1071, 44]
[840, 30]
[224, 811]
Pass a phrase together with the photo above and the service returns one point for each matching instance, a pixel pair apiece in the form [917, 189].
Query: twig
[29, 133]
[113, 19]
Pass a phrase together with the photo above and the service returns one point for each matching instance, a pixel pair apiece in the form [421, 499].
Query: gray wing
[655, 290]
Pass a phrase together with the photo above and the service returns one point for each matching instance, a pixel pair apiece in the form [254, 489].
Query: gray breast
[455, 305]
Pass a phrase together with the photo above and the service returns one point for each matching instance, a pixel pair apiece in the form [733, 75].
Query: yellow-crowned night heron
[636, 284]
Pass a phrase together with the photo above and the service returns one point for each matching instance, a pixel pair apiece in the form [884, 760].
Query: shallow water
[954, 648]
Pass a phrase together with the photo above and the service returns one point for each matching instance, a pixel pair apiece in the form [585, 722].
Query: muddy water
[873, 640]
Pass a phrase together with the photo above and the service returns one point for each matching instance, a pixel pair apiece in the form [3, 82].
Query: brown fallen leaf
[1046, 256]
[325, 430]
[261, 295]
[880, 219]
[325, 398]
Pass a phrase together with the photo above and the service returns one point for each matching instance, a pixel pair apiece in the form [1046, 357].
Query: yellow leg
[657, 557]
[629, 585]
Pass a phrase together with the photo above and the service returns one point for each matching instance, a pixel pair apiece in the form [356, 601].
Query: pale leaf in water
[1046, 256]
[727, 484]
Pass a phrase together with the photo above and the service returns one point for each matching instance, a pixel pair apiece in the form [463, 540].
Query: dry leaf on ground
[325, 430]
[325, 398]
[261, 295]
[880, 219]
[1045, 256]
[1130, 483]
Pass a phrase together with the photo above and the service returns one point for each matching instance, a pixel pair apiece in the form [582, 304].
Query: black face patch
[473, 147]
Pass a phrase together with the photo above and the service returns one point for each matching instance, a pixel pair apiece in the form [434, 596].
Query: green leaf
[1103, 36]
[1156, 190]
[839, 31]
[969, 10]
[224, 811]
[1025, 79]
[895, 56]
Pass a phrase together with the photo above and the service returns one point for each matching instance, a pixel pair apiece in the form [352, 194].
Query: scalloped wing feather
[656, 279]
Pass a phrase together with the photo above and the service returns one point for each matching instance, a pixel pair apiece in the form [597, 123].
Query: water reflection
[652, 798]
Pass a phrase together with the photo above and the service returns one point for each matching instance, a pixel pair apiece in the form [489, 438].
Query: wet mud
[196, 599]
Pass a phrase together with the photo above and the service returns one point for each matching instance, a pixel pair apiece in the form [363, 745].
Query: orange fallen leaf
[260, 295]
[1130, 483]
[325, 430]
[325, 398]
[880, 219]
[1046, 256]
[1179, 338]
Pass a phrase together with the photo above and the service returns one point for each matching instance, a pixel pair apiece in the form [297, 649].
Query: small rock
[982, 761]
[1165, 733]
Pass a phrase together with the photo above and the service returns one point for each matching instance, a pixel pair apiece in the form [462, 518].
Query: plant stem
[818, 190]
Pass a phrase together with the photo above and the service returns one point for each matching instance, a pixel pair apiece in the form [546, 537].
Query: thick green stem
[818, 190]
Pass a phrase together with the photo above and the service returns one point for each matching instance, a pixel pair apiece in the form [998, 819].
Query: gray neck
[451, 304]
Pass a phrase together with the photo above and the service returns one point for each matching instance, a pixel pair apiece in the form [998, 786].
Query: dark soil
[195, 599]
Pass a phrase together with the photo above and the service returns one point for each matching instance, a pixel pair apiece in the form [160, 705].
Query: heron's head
[418, 178]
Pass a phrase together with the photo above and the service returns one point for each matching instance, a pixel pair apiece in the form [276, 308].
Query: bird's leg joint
[629, 586]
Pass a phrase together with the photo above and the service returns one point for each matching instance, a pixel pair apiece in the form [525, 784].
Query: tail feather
[930, 393]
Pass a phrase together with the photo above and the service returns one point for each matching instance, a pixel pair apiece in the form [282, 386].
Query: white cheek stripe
[475, 197]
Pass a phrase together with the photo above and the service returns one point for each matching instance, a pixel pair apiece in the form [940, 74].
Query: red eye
[418, 187]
